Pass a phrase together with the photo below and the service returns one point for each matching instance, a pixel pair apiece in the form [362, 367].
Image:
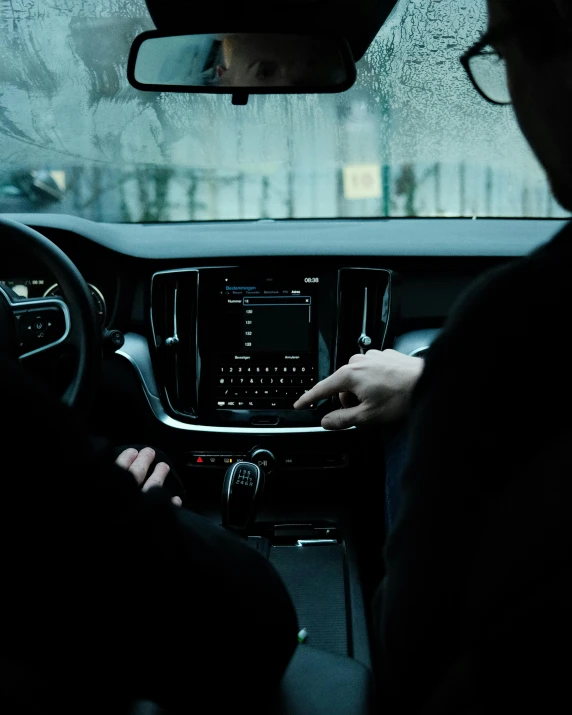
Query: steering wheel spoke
[41, 326]
[59, 340]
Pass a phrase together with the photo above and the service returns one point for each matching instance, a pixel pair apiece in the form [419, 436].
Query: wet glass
[412, 137]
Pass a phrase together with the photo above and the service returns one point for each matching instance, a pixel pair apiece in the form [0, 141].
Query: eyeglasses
[487, 71]
[487, 68]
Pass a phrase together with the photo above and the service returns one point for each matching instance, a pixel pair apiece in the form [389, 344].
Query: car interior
[196, 333]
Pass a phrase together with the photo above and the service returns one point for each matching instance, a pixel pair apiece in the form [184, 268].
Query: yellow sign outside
[362, 181]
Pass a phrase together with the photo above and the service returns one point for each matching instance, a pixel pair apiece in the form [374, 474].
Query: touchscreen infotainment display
[276, 322]
[268, 351]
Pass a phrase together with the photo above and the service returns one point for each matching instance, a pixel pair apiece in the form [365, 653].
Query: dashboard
[226, 324]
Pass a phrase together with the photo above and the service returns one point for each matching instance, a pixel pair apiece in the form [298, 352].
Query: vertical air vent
[174, 321]
[366, 304]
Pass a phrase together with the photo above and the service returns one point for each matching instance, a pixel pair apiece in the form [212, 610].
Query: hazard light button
[199, 460]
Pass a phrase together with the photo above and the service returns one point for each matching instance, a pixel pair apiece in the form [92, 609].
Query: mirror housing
[240, 64]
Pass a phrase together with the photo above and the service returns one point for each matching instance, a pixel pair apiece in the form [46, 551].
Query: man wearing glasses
[475, 606]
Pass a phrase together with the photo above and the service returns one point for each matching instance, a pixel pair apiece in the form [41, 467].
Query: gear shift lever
[241, 492]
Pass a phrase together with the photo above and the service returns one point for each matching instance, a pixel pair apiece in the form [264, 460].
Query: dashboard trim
[136, 351]
[417, 351]
[415, 341]
[92, 287]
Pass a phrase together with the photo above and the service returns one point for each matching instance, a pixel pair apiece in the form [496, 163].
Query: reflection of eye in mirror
[266, 69]
[257, 62]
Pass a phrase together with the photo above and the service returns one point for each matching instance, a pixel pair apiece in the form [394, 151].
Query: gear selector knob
[241, 492]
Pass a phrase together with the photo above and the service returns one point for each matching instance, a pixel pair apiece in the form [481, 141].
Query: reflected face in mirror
[257, 60]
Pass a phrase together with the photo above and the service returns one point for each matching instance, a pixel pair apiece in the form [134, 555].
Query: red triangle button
[199, 460]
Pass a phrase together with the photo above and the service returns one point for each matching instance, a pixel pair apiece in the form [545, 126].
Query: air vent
[174, 320]
[366, 304]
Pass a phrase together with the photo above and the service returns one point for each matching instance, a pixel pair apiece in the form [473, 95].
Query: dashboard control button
[264, 459]
[205, 460]
[199, 460]
[117, 338]
[314, 461]
[289, 461]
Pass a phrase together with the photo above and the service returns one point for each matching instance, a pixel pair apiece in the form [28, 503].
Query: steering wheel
[35, 330]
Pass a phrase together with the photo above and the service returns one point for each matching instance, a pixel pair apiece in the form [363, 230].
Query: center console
[232, 348]
[238, 347]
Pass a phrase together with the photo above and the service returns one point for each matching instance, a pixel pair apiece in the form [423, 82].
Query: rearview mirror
[240, 63]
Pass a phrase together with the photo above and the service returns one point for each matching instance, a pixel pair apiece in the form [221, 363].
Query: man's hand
[375, 387]
[138, 463]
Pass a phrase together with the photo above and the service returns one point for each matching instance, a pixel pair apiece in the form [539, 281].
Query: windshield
[411, 138]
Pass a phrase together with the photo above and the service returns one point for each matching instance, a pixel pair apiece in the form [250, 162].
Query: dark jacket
[476, 601]
[110, 594]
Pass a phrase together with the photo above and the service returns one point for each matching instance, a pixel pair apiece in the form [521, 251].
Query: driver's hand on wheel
[373, 388]
[138, 463]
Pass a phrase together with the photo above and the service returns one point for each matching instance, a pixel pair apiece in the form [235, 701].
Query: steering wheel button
[25, 326]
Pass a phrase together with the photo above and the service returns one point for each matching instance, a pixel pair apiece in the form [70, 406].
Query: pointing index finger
[332, 385]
